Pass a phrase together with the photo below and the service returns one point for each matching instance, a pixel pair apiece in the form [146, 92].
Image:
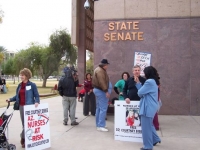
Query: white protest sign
[37, 128]
[127, 122]
[143, 60]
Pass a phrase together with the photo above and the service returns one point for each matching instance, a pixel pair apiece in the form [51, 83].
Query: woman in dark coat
[89, 96]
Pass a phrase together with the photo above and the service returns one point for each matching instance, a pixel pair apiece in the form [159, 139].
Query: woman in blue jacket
[26, 94]
[148, 107]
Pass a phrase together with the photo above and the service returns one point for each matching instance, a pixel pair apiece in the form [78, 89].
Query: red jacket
[82, 91]
[88, 85]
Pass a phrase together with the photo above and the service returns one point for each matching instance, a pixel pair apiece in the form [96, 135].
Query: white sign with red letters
[143, 60]
[127, 122]
[37, 128]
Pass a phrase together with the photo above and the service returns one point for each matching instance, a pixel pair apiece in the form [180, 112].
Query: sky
[27, 21]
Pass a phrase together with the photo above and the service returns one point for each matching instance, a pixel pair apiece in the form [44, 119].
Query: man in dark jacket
[67, 89]
[130, 90]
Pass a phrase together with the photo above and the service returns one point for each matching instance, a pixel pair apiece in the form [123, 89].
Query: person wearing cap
[100, 82]
[67, 89]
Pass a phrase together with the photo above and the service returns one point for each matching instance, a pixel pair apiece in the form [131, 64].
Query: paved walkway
[177, 132]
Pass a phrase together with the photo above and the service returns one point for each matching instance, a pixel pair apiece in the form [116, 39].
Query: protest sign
[127, 122]
[143, 60]
[37, 130]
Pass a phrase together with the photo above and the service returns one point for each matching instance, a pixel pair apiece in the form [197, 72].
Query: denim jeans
[101, 107]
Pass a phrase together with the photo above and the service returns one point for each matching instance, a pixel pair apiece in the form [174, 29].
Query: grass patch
[12, 90]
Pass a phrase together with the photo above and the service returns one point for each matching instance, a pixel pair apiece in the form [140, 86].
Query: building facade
[167, 29]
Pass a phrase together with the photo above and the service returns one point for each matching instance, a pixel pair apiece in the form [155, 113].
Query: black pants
[81, 96]
[89, 103]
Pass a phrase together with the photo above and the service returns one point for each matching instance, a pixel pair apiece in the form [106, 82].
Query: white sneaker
[102, 129]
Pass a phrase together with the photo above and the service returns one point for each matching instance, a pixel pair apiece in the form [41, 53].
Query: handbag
[16, 106]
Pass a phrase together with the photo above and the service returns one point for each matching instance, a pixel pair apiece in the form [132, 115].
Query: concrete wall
[171, 33]
[131, 9]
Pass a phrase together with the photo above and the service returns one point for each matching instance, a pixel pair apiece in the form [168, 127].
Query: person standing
[26, 94]
[120, 85]
[67, 89]
[1, 85]
[100, 82]
[148, 107]
[90, 102]
[155, 119]
[130, 90]
[4, 85]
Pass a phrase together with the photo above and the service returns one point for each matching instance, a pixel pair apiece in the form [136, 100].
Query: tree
[1, 15]
[2, 49]
[2, 57]
[49, 64]
[60, 42]
[60, 46]
[90, 62]
[45, 60]
[10, 68]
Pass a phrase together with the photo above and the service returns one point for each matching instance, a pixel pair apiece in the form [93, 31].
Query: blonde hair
[26, 72]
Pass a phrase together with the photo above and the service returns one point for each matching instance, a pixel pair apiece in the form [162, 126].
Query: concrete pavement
[177, 132]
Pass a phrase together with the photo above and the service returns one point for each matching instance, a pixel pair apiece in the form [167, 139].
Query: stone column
[82, 43]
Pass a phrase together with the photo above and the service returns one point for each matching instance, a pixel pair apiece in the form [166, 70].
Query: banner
[127, 122]
[37, 130]
[143, 60]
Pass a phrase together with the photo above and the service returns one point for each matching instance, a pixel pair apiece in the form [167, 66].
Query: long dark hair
[151, 73]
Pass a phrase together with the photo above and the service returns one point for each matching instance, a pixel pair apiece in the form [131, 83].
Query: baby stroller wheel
[5, 144]
[11, 147]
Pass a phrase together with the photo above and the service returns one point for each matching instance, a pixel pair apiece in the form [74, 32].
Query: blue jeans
[149, 134]
[101, 107]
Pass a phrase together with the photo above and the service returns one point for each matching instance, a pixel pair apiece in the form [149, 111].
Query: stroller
[4, 121]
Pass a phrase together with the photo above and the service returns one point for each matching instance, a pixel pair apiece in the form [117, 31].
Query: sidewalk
[177, 132]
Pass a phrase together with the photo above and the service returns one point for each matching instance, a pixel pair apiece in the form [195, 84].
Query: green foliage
[1, 15]
[60, 42]
[2, 54]
[9, 67]
[2, 49]
[44, 60]
[90, 63]
[49, 62]
[1, 57]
